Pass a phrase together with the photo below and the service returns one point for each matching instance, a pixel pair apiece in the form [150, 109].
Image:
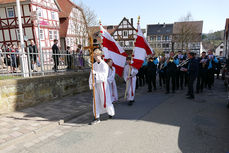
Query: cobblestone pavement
[17, 126]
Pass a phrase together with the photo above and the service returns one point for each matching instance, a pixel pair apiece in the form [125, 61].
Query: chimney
[132, 21]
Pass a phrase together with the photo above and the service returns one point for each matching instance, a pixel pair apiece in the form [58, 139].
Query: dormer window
[10, 12]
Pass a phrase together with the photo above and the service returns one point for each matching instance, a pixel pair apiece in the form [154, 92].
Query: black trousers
[161, 78]
[69, 61]
[151, 80]
[170, 76]
[201, 81]
[180, 75]
[191, 81]
[56, 62]
[210, 78]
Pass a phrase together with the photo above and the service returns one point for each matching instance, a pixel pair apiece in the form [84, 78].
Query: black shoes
[110, 117]
[190, 97]
[130, 102]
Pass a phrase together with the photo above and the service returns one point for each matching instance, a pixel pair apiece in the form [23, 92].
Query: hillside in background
[212, 40]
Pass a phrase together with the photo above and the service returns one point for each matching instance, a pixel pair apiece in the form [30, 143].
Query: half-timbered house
[48, 19]
[125, 34]
[73, 28]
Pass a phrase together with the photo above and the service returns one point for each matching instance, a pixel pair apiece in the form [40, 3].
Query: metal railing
[11, 63]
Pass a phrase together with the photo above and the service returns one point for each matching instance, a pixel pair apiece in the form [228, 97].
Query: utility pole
[23, 57]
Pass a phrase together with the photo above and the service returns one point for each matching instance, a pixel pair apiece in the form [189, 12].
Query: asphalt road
[156, 123]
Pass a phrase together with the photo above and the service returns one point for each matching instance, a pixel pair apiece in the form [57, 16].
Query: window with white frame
[42, 34]
[53, 15]
[10, 12]
[50, 34]
[55, 35]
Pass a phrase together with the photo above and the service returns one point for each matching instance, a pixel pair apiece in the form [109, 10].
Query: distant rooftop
[155, 29]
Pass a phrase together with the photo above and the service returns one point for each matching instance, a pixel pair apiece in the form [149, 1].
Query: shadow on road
[203, 123]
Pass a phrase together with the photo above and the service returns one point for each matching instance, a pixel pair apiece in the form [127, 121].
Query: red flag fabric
[113, 51]
[141, 50]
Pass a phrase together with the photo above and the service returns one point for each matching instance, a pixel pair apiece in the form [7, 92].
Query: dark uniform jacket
[55, 50]
[151, 68]
[171, 67]
[193, 67]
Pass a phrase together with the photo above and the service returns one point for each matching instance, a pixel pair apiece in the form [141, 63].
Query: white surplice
[112, 84]
[102, 91]
[132, 82]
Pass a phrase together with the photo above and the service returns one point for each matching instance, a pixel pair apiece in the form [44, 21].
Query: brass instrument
[183, 63]
[171, 59]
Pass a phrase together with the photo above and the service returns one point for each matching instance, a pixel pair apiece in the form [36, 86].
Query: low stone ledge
[21, 93]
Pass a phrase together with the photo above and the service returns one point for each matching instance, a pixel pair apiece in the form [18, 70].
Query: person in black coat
[69, 58]
[202, 73]
[151, 73]
[218, 68]
[192, 71]
[33, 54]
[162, 75]
[171, 69]
[55, 51]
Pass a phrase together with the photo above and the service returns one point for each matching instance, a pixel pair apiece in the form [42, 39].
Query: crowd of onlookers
[9, 58]
[69, 59]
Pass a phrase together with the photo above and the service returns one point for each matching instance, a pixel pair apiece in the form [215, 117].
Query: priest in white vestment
[130, 80]
[103, 100]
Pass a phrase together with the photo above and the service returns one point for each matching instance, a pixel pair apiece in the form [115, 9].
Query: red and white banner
[113, 51]
[141, 50]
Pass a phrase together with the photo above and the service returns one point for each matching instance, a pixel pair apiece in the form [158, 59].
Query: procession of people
[172, 73]
[182, 70]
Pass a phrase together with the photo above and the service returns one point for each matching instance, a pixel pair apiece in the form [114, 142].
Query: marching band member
[180, 74]
[171, 69]
[152, 73]
[102, 93]
[161, 71]
[212, 60]
[192, 71]
[111, 81]
[131, 80]
[202, 73]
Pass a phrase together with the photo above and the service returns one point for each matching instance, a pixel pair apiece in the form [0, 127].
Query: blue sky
[212, 12]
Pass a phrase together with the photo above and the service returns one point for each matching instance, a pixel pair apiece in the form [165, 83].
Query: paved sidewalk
[22, 124]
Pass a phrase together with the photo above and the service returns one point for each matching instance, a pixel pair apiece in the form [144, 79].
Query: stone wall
[20, 93]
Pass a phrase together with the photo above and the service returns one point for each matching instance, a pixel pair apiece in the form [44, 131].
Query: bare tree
[90, 17]
[186, 31]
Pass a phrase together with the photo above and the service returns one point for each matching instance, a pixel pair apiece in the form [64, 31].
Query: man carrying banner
[130, 78]
[103, 103]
